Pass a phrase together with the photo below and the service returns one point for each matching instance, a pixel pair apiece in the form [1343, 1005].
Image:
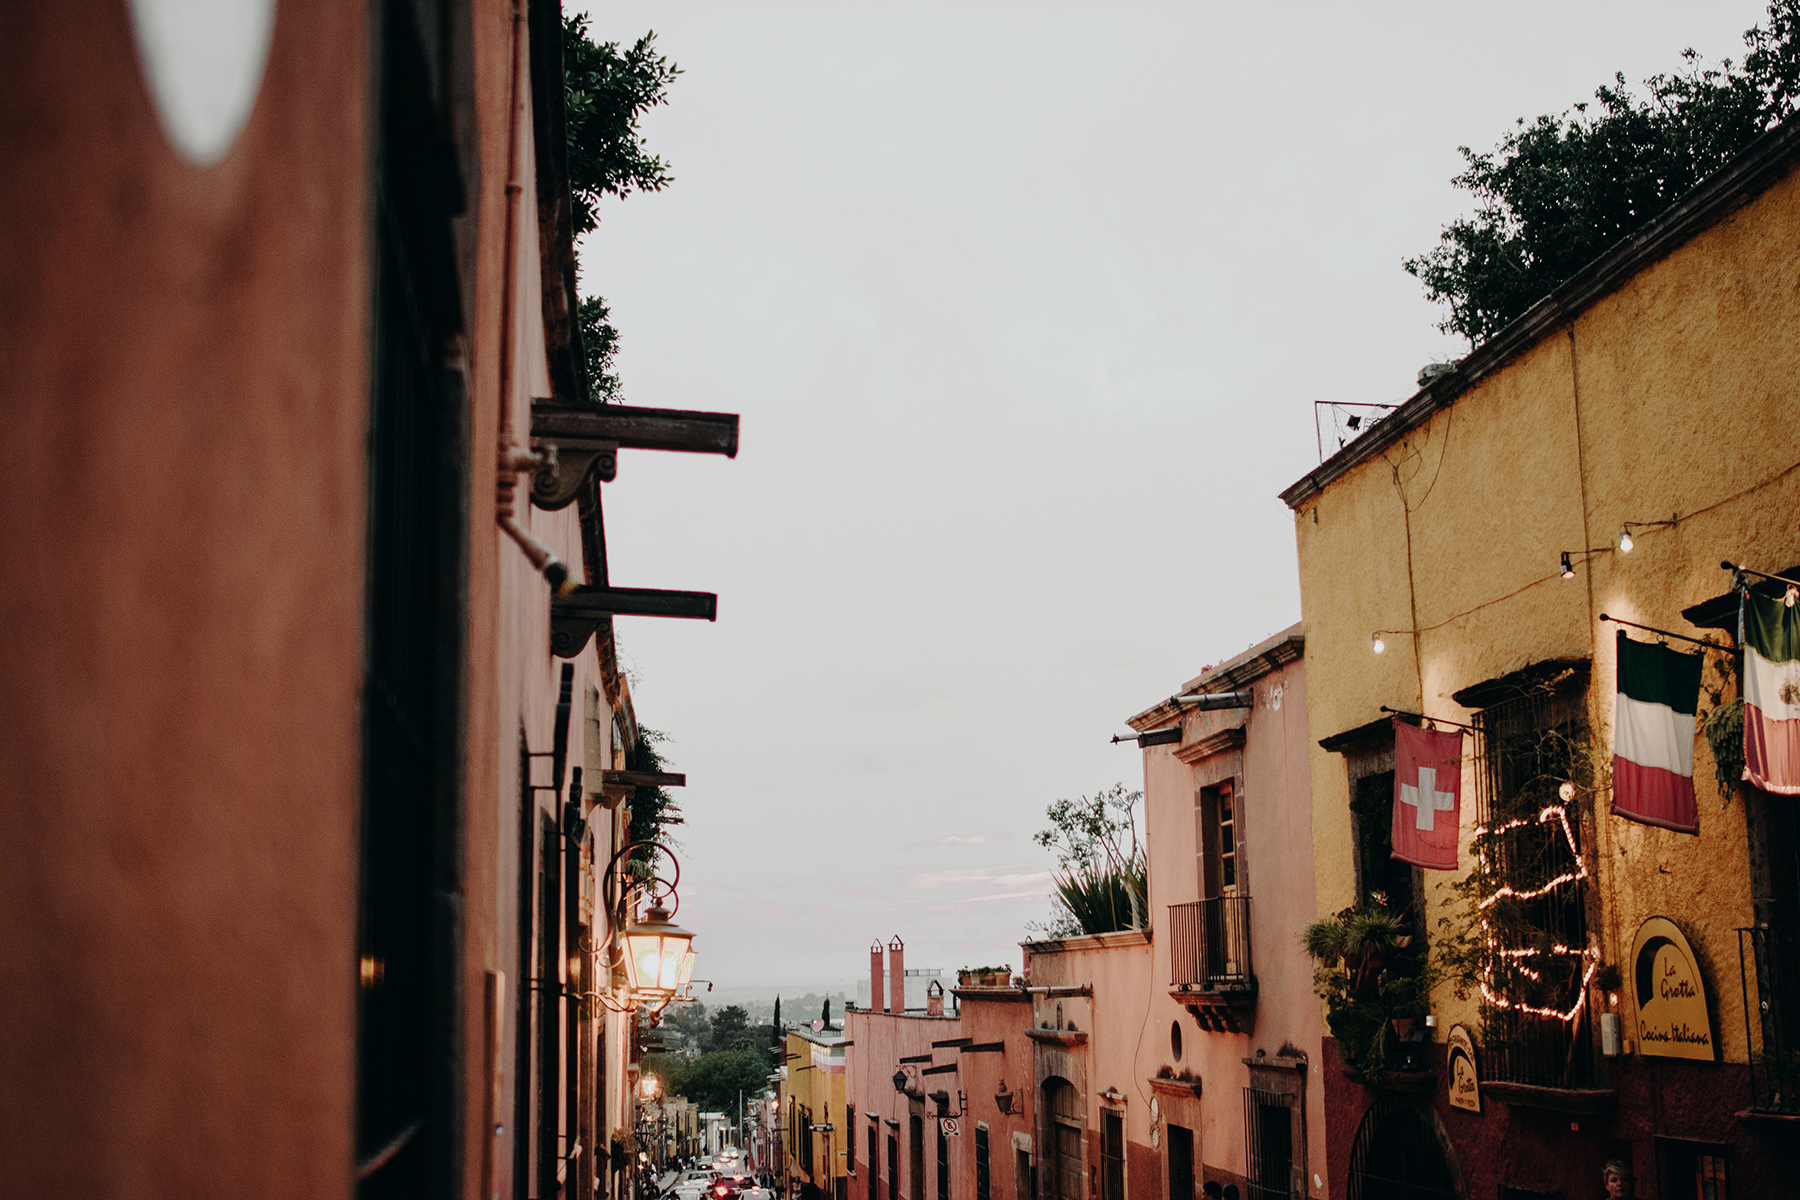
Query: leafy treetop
[1559, 191]
[606, 90]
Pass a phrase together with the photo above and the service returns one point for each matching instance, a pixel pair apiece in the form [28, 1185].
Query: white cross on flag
[1427, 796]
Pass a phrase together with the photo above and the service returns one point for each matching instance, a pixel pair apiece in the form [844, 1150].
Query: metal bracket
[568, 461]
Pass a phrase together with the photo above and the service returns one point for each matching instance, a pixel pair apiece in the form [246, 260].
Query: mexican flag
[1770, 633]
[1653, 735]
[1427, 796]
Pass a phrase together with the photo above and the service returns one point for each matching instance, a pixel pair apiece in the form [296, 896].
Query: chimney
[896, 975]
[877, 980]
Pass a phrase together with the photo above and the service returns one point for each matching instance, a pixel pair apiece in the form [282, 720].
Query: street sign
[821, 1128]
[947, 1127]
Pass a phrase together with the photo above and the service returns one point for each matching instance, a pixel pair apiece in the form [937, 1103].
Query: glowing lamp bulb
[1566, 791]
[1625, 542]
[1376, 644]
[1568, 568]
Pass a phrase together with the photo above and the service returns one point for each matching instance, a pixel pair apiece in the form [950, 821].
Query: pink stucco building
[1186, 1053]
[1144, 1062]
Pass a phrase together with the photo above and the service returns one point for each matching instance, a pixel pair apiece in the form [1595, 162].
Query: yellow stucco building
[1655, 394]
[812, 1109]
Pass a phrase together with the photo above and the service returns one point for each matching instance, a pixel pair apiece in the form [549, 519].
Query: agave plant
[1104, 898]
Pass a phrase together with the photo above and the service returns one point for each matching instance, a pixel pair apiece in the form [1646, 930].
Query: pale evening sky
[1025, 308]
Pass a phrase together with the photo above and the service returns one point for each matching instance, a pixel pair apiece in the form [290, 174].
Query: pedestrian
[808, 1189]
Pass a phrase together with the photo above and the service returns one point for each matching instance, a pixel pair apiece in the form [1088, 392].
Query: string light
[1376, 644]
[1497, 952]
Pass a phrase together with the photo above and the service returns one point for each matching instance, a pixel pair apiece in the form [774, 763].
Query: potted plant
[1375, 985]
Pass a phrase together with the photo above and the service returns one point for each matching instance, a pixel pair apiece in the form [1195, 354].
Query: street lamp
[658, 957]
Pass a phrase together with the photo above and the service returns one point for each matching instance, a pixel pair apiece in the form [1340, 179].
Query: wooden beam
[575, 617]
[638, 428]
[589, 601]
[642, 779]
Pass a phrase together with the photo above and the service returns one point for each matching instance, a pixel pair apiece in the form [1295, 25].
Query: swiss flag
[1427, 796]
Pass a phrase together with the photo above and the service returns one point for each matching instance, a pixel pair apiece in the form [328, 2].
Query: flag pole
[1666, 633]
[1400, 712]
[1730, 566]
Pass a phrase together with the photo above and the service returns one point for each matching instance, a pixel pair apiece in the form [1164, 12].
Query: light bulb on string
[1376, 644]
[1625, 542]
[1568, 568]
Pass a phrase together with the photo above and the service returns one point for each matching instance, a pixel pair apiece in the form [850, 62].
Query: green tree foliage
[1559, 191]
[653, 810]
[606, 91]
[1102, 878]
[714, 1080]
[691, 1022]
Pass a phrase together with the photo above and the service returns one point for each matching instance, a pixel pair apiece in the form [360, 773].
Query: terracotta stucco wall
[1274, 806]
[183, 489]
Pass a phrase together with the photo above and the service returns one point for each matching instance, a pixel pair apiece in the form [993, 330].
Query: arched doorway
[1399, 1155]
[1063, 1103]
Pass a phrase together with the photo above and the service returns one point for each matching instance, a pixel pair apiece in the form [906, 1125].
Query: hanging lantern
[658, 955]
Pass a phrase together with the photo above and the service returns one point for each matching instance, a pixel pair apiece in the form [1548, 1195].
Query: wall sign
[1672, 1017]
[1464, 1081]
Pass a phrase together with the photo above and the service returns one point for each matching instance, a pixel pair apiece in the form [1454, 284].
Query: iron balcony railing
[1210, 945]
[1769, 965]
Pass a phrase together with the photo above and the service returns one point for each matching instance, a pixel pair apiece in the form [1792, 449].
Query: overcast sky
[1025, 308]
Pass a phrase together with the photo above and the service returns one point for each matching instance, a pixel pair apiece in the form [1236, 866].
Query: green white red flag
[1653, 735]
[1769, 631]
[1427, 796]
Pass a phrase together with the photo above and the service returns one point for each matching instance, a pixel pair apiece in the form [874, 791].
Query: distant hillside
[799, 1002]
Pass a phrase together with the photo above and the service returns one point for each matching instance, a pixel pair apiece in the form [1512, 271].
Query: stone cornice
[1206, 747]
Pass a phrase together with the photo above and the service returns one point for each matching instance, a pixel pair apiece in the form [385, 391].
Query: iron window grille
[983, 1165]
[1769, 967]
[1531, 886]
[1269, 1144]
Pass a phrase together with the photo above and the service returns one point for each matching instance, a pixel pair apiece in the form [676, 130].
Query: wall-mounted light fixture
[659, 959]
[1003, 1099]
[1625, 542]
[653, 954]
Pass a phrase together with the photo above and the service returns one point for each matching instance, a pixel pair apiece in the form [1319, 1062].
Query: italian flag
[1653, 735]
[1770, 633]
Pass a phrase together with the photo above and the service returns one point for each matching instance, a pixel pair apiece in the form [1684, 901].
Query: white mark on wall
[203, 63]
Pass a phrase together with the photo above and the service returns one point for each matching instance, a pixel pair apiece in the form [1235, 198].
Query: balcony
[1209, 958]
[1769, 963]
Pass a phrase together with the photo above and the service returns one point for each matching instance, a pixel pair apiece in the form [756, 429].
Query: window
[1024, 1184]
[893, 1167]
[1269, 1144]
[1064, 1105]
[943, 1164]
[1381, 878]
[1533, 736]
[983, 1165]
[850, 1139]
[915, 1153]
[1112, 1156]
[408, 946]
[1219, 836]
[1181, 1162]
[874, 1163]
